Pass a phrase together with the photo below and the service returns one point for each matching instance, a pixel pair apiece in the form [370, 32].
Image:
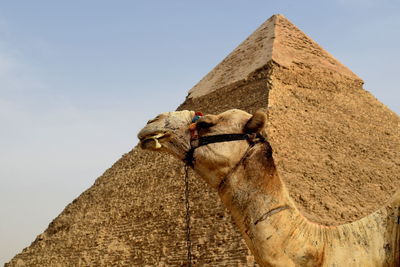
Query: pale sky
[78, 79]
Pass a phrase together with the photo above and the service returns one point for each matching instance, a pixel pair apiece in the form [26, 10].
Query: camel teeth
[158, 135]
[158, 145]
[155, 138]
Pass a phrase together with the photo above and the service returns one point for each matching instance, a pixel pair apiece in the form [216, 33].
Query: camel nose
[144, 133]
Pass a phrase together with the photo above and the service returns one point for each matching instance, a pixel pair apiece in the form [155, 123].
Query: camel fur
[251, 189]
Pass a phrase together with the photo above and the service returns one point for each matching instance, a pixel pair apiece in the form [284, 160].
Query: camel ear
[256, 123]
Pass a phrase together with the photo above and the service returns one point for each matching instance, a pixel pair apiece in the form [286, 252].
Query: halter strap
[211, 139]
[205, 140]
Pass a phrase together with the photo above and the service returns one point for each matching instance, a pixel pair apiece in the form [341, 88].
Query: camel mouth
[153, 141]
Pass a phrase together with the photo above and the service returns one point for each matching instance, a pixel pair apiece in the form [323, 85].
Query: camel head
[176, 132]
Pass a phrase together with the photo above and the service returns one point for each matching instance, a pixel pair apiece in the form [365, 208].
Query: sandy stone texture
[335, 146]
[134, 216]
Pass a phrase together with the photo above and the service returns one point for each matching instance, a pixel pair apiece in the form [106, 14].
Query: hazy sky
[78, 79]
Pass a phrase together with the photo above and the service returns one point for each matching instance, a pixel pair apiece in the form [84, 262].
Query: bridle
[196, 142]
[252, 139]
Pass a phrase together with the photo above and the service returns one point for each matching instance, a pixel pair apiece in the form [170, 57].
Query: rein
[187, 218]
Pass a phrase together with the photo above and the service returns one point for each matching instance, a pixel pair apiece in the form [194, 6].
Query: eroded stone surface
[134, 216]
[335, 146]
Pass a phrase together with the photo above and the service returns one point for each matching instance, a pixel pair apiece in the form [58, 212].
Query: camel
[230, 152]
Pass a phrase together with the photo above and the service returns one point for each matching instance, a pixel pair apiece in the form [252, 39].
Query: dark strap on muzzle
[206, 140]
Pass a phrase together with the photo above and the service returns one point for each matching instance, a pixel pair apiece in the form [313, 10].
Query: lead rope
[187, 215]
[192, 130]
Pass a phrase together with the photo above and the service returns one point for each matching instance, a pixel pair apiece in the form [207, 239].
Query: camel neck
[254, 184]
[259, 203]
[278, 235]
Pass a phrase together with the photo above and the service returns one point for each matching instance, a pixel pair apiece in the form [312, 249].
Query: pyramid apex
[277, 40]
[278, 16]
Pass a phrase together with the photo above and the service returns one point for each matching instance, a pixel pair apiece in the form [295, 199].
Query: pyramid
[335, 147]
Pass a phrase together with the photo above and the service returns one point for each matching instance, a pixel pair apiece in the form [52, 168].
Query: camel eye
[204, 125]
